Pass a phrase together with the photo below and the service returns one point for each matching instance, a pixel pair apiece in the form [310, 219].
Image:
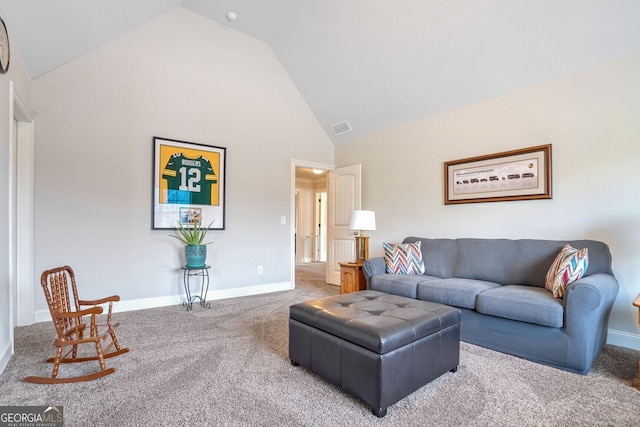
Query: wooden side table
[351, 277]
[636, 302]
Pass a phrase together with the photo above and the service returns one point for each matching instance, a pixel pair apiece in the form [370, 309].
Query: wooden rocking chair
[59, 285]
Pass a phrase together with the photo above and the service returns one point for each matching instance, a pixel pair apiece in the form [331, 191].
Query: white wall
[591, 118]
[18, 75]
[185, 77]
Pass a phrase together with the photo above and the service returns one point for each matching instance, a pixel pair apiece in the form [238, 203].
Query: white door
[344, 194]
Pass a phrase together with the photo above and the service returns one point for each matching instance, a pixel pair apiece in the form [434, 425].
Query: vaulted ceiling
[374, 63]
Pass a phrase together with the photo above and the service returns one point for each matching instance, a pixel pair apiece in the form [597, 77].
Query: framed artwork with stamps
[523, 174]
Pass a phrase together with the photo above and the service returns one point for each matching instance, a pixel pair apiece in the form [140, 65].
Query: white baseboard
[144, 303]
[623, 339]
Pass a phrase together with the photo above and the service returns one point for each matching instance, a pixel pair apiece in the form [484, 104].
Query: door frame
[22, 176]
[295, 163]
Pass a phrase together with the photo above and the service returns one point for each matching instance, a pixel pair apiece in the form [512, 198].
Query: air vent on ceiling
[341, 128]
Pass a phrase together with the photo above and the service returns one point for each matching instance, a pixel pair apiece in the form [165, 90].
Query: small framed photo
[188, 184]
[190, 216]
[523, 174]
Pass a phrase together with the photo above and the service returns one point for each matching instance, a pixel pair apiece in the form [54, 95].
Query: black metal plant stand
[203, 274]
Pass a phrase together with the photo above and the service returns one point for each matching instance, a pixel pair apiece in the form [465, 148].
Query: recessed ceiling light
[231, 16]
[317, 171]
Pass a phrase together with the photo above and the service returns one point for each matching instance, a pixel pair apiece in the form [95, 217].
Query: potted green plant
[195, 251]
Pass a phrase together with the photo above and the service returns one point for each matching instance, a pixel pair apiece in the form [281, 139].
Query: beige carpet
[228, 366]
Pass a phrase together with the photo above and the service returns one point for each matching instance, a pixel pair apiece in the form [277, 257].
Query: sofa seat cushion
[455, 292]
[524, 303]
[405, 285]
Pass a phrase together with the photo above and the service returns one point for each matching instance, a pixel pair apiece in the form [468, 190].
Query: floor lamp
[362, 221]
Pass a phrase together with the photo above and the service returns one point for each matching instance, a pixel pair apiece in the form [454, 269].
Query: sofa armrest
[373, 266]
[594, 293]
[587, 305]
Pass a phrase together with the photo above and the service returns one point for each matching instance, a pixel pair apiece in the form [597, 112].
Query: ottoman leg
[379, 412]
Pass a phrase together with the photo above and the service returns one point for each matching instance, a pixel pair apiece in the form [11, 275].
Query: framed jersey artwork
[188, 184]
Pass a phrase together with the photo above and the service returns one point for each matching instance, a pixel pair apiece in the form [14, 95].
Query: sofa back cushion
[505, 261]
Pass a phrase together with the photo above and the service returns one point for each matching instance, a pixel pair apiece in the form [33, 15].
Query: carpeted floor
[228, 366]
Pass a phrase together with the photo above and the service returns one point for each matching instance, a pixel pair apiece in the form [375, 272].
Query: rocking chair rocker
[59, 285]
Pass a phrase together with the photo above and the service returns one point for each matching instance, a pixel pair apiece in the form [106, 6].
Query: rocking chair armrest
[81, 313]
[112, 298]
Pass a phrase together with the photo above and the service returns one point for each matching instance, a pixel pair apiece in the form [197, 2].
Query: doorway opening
[310, 220]
[342, 187]
[309, 215]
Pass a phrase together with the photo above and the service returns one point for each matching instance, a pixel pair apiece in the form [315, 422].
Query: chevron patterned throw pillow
[403, 258]
[569, 266]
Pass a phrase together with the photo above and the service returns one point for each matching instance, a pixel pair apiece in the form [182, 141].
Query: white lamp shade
[362, 220]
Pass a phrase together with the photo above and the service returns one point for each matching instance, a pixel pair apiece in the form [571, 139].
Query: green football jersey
[189, 180]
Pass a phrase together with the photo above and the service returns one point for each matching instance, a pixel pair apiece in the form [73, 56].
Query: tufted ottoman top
[375, 320]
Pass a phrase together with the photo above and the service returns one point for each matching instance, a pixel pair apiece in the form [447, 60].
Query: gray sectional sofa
[498, 284]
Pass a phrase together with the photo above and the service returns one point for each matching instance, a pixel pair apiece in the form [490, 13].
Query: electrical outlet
[283, 219]
[260, 270]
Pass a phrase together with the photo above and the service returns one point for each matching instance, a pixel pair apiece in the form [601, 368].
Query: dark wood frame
[165, 215]
[487, 185]
[5, 35]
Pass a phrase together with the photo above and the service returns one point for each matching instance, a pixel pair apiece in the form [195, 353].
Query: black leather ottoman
[375, 346]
